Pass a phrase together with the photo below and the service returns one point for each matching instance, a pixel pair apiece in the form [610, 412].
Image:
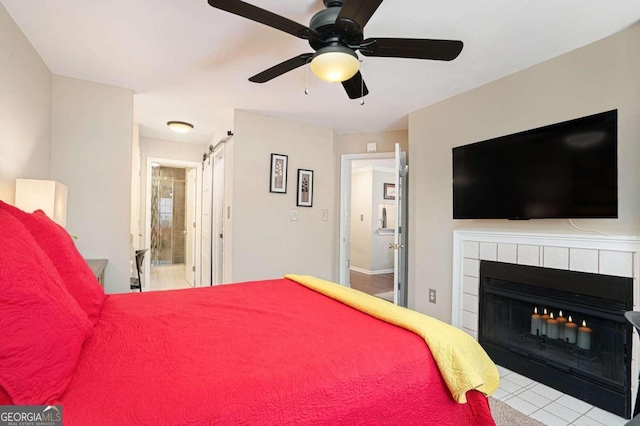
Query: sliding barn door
[207, 221]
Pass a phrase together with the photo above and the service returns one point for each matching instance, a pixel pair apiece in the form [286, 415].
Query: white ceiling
[190, 62]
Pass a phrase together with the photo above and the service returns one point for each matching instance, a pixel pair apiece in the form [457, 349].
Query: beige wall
[368, 249]
[91, 154]
[25, 110]
[356, 143]
[361, 220]
[160, 148]
[595, 78]
[381, 255]
[135, 191]
[266, 243]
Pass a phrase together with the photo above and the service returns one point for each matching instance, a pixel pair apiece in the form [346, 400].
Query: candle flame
[560, 313]
[535, 310]
[545, 311]
[584, 323]
[551, 315]
[570, 320]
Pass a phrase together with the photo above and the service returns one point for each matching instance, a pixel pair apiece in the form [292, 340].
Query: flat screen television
[564, 170]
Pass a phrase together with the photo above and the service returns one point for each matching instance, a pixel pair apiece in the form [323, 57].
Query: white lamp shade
[335, 66]
[46, 195]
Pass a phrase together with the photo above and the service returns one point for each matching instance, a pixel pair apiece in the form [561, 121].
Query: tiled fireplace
[557, 256]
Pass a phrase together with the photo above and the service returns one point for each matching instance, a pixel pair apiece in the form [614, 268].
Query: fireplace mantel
[617, 255]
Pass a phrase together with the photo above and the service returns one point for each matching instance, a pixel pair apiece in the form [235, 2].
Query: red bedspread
[259, 353]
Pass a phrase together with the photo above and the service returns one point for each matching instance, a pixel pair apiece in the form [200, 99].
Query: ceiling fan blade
[355, 87]
[281, 68]
[265, 17]
[439, 50]
[358, 11]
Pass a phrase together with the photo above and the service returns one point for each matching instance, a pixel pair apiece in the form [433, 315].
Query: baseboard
[368, 272]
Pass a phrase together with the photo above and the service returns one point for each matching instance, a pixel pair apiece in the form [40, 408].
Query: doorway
[169, 250]
[172, 224]
[373, 205]
[372, 227]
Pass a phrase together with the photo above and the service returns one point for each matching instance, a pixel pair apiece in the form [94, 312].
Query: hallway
[169, 277]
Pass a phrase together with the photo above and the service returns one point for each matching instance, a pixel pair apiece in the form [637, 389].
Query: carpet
[504, 415]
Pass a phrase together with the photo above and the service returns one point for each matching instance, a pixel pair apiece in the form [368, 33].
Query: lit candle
[561, 322]
[535, 322]
[584, 336]
[543, 323]
[552, 328]
[570, 331]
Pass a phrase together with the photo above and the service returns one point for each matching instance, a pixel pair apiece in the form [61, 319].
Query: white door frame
[191, 188]
[345, 205]
[147, 211]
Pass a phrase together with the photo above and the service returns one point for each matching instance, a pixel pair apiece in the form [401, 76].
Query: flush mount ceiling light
[180, 126]
[335, 64]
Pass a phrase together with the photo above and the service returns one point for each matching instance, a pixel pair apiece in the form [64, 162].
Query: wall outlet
[432, 295]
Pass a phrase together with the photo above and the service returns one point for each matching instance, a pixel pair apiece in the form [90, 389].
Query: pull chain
[306, 83]
[361, 84]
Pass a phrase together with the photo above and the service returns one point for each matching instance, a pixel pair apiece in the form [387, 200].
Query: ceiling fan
[336, 33]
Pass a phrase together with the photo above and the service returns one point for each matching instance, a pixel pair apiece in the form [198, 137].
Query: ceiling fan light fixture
[335, 64]
[180, 126]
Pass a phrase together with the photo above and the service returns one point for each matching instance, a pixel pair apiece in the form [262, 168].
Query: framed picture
[389, 191]
[278, 180]
[305, 188]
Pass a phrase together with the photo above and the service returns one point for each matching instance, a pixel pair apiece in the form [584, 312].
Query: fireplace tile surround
[610, 255]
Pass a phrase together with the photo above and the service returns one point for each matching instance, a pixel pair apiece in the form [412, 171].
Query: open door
[400, 236]
[190, 227]
[218, 217]
[345, 226]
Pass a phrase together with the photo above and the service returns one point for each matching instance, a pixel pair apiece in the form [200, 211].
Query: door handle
[396, 246]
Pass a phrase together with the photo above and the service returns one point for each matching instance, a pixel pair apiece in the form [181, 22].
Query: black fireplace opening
[565, 329]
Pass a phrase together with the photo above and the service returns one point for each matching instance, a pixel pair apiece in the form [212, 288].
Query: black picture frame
[304, 197]
[278, 173]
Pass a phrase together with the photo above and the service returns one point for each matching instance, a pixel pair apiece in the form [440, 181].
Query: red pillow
[56, 242]
[4, 398]
[42, 328]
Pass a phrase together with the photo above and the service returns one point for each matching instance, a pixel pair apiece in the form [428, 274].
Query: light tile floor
[549, 406]
[168, 277]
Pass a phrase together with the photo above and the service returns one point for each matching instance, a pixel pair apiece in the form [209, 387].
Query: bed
[271, 352]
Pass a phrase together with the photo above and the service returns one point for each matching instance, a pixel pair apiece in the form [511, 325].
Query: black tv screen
[565, 170]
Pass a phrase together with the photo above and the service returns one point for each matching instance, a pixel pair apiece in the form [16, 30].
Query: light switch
[325, 215]
[294, 215]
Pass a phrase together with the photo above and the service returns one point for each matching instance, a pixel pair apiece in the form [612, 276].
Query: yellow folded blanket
[463, 363]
